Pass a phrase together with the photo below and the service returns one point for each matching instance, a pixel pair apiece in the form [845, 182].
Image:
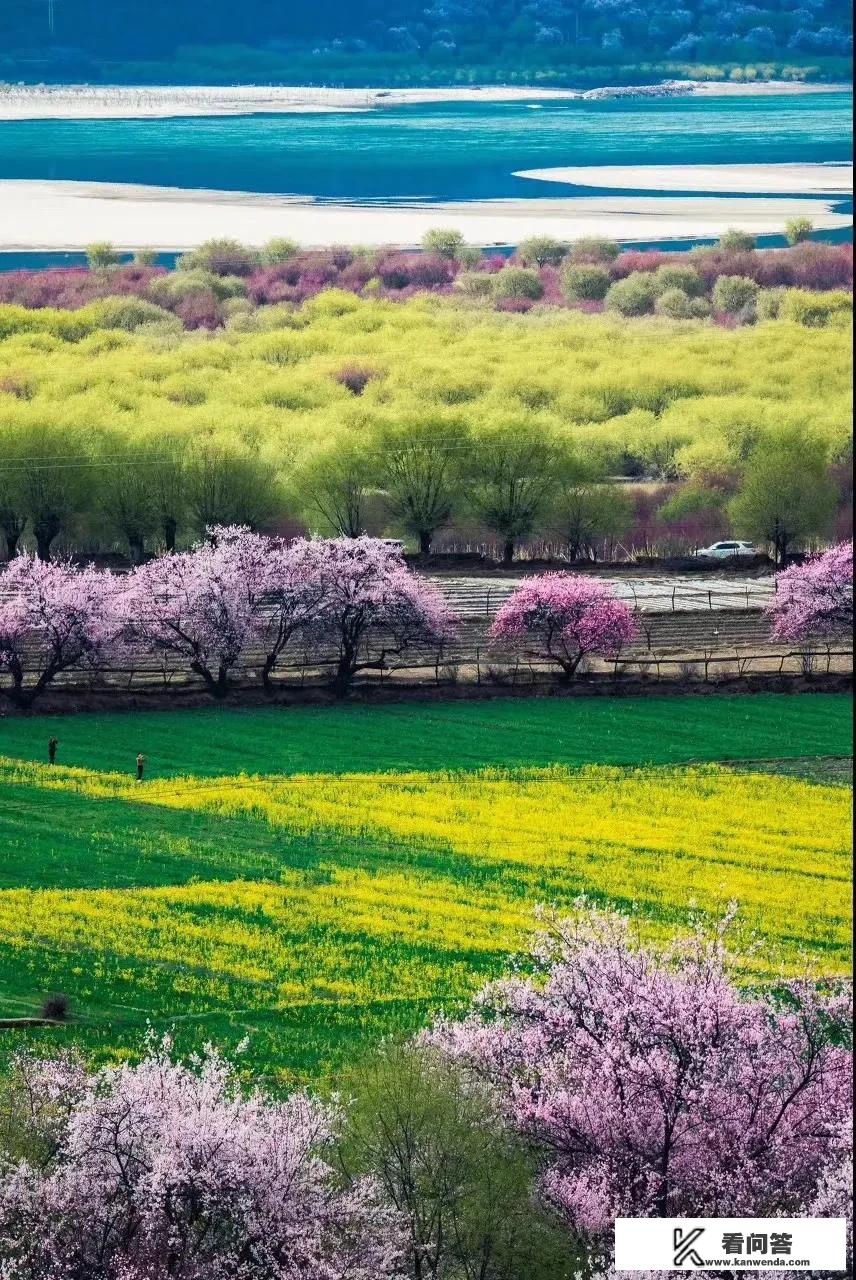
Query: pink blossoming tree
[815, 598]
[562, 617]
[163, 1170]
[54, 616]
[370, 596]
[653, 1086]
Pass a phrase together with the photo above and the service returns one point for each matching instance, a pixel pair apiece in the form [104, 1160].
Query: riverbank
[110, 102]
[49, 216]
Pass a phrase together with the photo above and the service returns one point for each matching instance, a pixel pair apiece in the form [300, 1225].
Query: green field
[313, 877]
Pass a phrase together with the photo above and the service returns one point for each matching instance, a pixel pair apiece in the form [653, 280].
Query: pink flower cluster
[166, 1170]
[815, 598]
[206, 606]
[561, 617]
[653, 1086]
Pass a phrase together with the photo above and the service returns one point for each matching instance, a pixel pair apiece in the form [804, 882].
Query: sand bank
[762, 179]
[68, 215]
[105, 102]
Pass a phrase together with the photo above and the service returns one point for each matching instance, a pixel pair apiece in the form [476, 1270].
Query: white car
[727, 550]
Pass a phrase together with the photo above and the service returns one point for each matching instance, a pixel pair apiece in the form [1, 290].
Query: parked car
[727, 550]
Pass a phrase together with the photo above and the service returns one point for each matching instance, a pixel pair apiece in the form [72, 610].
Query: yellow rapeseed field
[411, 888]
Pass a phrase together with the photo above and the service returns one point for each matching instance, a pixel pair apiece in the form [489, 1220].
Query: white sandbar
[830, 179]
[37, 215]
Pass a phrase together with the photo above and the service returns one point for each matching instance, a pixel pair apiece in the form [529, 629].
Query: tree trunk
[170, 528]
[12, 544]
[508, 551]
[45, 532]
[424, 542]
[136, 548]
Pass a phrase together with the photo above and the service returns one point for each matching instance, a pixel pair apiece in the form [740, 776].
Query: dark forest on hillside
[455, 39]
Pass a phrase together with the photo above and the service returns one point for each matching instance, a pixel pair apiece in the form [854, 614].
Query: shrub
[633, 296]
[101, 254]
[733, 294]
[542, 251]
[814, 310]
[126, 313]
[768, 304]
[593, 249]
[475, 284]
[674, 276]
[146, 258]
[518, 283]
[355, 377]
[585, 282]
[278, 250]
[798, 229]
[221, 257]
[735, 240]
[675, 304]
[445, 242]
[55, 1007]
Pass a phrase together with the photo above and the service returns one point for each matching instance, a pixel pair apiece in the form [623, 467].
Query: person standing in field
[141, 761]
[52, 746]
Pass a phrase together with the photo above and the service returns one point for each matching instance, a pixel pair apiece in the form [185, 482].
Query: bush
[278, 250]
[55, 1007]
[769, 303]
[146, 258]
[814, 310]
[517, 283]
[101, 254]
[734, 240]
[475, 284]
[734, 294]
[221, 257]
[635, 295]
[445, 242]
[542, 251]
[126, 313]
[798, 229]
[673, 276]
[593, 249]
[675, 304]
[585, 282]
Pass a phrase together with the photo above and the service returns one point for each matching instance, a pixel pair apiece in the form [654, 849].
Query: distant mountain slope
[80, 33]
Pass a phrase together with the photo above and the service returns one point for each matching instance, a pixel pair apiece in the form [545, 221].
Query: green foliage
[436, 1145]
[513, 472]
[593, 249]
[278, 250]
[768, 304]
[588, 511]
[418, 465]
[475, 284]
[674, 276]
[129, 313]
[102, 254]
[814, 310]
[446, 242]
[542, 251]
[734, 294]
[798, 229]
[222, 257]
[635, 295]
[690, 500]
[674, 303]
[228, 484]
[518, 282]
[736, 241]
[145, 257]
[585, 281]
[787, 495]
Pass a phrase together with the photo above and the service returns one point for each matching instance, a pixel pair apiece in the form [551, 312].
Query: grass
[451, 735]
[317, 878]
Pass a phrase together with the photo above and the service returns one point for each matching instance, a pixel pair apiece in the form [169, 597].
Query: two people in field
[53, 743]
